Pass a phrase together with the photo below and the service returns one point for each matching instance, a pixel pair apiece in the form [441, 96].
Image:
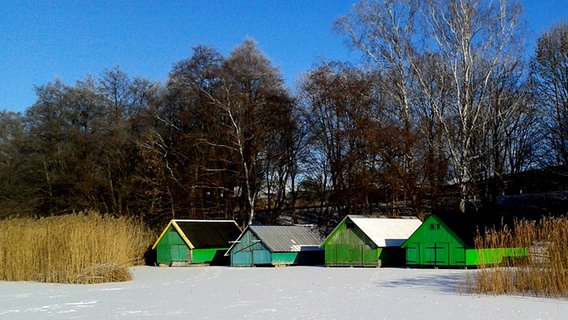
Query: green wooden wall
[209, 256]
[172, 249]
[284, 258]
[349, 246]
[434, 244]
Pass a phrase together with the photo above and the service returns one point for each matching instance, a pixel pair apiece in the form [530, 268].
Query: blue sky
[41, 41]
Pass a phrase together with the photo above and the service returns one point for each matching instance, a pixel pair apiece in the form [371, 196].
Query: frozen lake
[272, 293]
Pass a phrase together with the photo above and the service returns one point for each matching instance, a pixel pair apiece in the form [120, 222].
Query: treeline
[444, 107]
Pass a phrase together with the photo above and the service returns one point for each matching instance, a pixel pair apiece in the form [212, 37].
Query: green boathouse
[448, 240]
[195, 242]
[360, 241]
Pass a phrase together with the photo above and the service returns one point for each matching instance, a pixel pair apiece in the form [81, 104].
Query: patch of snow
[297, 292]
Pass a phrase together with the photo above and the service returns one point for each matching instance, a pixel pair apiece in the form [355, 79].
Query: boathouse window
[435, 226]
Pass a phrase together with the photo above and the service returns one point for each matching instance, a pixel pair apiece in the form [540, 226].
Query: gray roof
[287, 238]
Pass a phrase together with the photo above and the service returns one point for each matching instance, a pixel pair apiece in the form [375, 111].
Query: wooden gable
[368, 241]
[185, 242]
[276, 245]
[448, 240]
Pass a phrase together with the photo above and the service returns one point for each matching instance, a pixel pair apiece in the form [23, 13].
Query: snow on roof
[387, 232]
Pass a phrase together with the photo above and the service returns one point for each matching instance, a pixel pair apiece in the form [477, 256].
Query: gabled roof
[202, 234]
[466, 226]
[285, 238]
[384, 232]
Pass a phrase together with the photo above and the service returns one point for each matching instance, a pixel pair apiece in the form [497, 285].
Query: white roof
[387, 232]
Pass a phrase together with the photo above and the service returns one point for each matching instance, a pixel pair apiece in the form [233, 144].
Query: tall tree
[121, 96]
[63, 124]
[184, 122]
[384, 31]
[252, 104]
[471, 37]
[550, 73]
[16, 195]
[337, 100]
[282, 147]
[80, 144]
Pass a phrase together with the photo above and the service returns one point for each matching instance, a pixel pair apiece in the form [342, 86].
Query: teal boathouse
[260, 245]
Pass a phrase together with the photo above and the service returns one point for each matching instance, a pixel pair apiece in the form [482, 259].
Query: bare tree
[66, 127]
[471, 38]
[79, 145]
[384, 31]
[279, 161]
[17, 194]
[550, 73]
[337, 100]
[505, 140]
[251, 104]
[156, 176]
[186, 119]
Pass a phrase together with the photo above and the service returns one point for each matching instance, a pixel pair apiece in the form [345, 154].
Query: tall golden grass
[543, 273]
[77, 248]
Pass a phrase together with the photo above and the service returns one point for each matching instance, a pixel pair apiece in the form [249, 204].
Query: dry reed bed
[543, 273]
[77, 248]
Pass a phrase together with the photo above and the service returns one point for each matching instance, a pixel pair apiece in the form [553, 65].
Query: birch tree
[251, 103]
[383, 30]
[470, 37]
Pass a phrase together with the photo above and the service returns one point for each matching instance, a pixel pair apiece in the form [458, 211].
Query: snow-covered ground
[272, 293]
